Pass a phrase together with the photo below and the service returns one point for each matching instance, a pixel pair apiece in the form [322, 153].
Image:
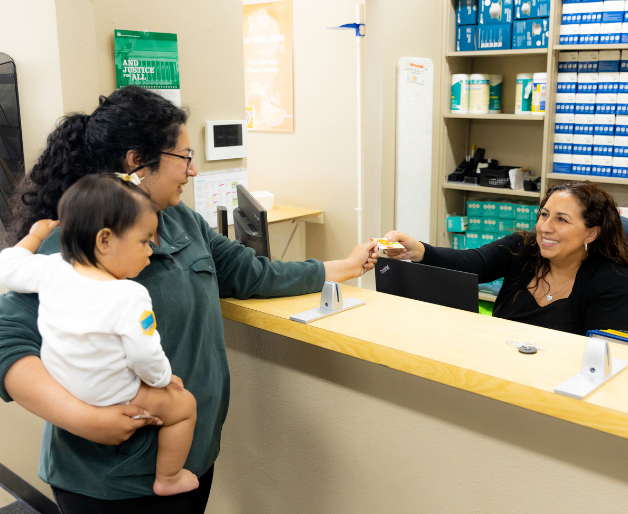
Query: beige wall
[28, 34]
[311, 431]
[316, 166]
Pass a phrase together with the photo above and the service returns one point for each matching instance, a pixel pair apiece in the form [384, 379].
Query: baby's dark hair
[95, 202]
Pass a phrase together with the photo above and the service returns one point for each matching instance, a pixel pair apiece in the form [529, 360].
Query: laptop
[416, 281]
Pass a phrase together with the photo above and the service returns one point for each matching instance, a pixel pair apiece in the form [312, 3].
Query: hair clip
[133, 178]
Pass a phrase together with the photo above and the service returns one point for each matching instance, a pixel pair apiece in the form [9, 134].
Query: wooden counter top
[281, 213]
[461, 349]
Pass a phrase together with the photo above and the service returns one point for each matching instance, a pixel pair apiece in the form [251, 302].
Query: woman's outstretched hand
[361, 259]
[413, 249]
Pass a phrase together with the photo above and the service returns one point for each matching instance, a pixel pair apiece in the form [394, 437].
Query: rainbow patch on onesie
[148, 322]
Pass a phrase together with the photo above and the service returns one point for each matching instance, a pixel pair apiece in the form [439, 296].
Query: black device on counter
[251, 223]
[416, 281]
[223, 220]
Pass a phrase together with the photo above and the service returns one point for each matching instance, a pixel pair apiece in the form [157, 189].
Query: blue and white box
[622, 104]
[585, 103]
[582, 145]
[602, 166]
[567, 82]
[623, 82]
[569, 34]
[621, 125]
[608, 82]
[530, 33]
[525, 9]
[572, 14]
[495, 37]
[588, 62]
[624, 33]
[568, 62]
[613, 11]
[605, 103]
[623, 64]
[581, 164]
[592, 12]
[603, 145]
[565, 103]
[584, 124]
[562, 163]
[564, 123]
[609, 61]
[604, 125]
[620, 146]
[620, 167]
[563, 143]
[610, 33]
[588, 83]
[589, 34]
[466, 38]
[466, 12]
[495, 12]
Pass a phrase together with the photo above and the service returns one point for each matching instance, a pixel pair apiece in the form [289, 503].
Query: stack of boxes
[594, 22]
[487, 221]
[591, 130]
[501, 24]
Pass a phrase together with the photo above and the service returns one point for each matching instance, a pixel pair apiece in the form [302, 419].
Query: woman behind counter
[571, 274]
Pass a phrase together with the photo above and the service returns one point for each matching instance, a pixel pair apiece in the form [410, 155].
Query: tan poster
[268, 66]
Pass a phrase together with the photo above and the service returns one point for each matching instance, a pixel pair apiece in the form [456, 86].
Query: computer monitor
[250, 223]
[416, 281]
[223, 220]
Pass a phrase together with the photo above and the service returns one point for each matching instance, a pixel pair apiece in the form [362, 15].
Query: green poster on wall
[150, 60]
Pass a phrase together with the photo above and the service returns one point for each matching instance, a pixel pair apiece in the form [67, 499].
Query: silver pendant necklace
[550, 296]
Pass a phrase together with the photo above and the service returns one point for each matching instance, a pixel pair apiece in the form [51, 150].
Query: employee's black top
[598, 300]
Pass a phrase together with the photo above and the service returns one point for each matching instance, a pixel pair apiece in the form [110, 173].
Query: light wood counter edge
[551, 404]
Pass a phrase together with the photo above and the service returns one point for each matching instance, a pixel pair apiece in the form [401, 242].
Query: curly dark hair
[131, 118]
[598, 209]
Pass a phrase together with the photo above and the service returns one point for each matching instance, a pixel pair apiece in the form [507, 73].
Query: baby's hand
[177, 382]
[43, 228]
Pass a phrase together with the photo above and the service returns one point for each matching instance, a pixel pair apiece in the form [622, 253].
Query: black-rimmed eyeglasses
[188, 158]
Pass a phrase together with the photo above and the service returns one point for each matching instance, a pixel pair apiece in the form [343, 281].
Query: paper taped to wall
[215, 188]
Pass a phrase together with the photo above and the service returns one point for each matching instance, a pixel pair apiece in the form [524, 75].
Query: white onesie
[98, 337]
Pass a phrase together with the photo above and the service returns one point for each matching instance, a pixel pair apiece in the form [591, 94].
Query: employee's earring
[586, 247]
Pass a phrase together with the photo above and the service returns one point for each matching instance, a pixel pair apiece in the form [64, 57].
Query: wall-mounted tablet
[226, 140]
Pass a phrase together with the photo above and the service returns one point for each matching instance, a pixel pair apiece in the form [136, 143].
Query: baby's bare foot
[182, 482]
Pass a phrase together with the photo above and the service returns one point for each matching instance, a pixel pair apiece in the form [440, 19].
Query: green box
[506, 226]
[474, 208]
[456, 223]
[489, 209]
[458, 242]
[535, 212]
[506, 210]
[473, 240]
[523, 212]
[486, 238]
[490, 225]
[475, 224]
[523, 225]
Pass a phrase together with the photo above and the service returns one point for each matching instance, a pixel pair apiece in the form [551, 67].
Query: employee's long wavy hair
[131, 118]
[598, 210]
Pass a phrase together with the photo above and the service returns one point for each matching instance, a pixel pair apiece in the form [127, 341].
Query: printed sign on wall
[150, 60]
[268, 66]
